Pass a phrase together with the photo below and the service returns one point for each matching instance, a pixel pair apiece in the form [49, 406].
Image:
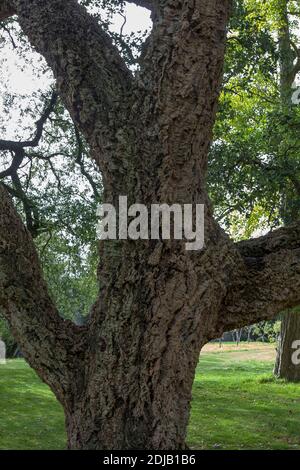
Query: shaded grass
[237, 404]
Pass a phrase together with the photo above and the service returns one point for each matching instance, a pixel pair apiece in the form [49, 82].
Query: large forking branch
[94, 84]
[91, 76]
[267, 280]
[48, 342]
[183, 62]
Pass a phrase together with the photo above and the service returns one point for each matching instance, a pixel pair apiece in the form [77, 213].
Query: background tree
[40, 184]
[124, 378]
[289, 56]
[257, 132]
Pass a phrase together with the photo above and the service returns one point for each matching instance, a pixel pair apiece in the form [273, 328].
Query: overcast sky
[26, 82]
[18, 77]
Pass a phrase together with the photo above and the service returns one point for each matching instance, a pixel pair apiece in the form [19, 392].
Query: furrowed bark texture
[49, 344]
[6, 10]
[269, 284]
[158, 303]
[285, 367]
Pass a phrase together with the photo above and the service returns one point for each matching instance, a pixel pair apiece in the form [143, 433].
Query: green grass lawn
[236, 405]
[30, 416]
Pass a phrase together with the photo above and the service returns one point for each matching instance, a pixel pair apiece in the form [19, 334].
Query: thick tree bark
[6, 10]
[127, 376]
[285, 366]
[49, 344]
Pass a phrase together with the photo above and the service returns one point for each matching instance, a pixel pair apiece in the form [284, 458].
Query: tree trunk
[290, 325]
[289, 340]
[134, 403]
[125, 378]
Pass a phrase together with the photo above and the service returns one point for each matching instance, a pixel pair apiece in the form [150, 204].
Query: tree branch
[296, 68]
[18, 147]
[17, 160]
[92, 78]
[7, 30]
[80, 163]
[30, 211]
[50, 345]
[181, 68]
[267, 280]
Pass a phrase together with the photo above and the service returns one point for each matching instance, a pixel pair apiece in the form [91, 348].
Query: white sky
[19, 78]
[26, 82]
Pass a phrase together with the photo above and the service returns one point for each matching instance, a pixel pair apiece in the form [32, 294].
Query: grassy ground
[30, 416]
[236, 405]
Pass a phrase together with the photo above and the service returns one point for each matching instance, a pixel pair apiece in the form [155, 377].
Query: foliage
[267, 331]
[59, 211]
[254, 170]
[71, 273]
